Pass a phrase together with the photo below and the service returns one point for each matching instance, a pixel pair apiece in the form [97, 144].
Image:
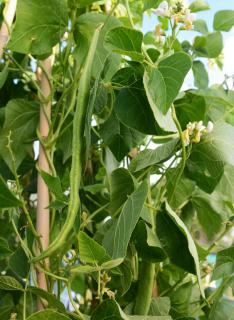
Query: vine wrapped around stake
[128, 212]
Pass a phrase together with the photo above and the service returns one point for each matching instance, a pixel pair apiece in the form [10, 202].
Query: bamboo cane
[9, 13]
[43, 214]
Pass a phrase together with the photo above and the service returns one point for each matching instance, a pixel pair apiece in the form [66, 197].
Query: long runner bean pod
[76, 167]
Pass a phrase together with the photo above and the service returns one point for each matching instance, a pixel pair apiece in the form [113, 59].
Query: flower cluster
[195, 130]
[178, 11]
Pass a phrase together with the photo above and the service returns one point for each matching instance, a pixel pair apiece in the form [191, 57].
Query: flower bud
[197, 137]
[185, 137]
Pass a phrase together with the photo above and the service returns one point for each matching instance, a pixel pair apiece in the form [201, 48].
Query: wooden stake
[43, 214]
[9, 13]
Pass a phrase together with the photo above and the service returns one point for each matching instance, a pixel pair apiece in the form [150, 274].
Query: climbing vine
[116, 183]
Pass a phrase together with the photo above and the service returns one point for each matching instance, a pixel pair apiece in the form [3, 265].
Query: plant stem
[184, 156]
[19, 189]
[23, 245]
[89, 219]
[129, 13]
[73, 302]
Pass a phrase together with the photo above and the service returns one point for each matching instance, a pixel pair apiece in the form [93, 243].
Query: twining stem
[43, 198]
[184, 156]
[18, 186]
[9, 13]
[129, 13]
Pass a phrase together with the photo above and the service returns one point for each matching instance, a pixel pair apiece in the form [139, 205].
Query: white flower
[162, 9]
[210, 127]
[164, 5]
[199, 126]
[190, 126]
[191, 17]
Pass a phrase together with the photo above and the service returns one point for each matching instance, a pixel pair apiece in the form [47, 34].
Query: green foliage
[139, 115]
[7, 198]
[38, 36]
[199, 5]
[127, 221]
[125, 41]
[201, 79]
[223, 20]
[47, 314]
[141, 172]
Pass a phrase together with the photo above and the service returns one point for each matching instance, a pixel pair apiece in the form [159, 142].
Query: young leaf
[91, 251]
[48, 315]
[224, 263]
[224, 20]
[125, 41]
[37, 33]
[132, 109]
[84, 3]
[209, 217]
[222, 309]
[7, 198]
[85, 269]
[54, 185]
[109, 309]
[50, 298]
[214, 44]
[201, 78]
[200, 25]
[150, 317]
[149, 157]
[21, 117]
[210, 46]
[147, 244]
[190, 108]
[4, 249]
[225, 188]
[128, 220]
[160, 306]
[121, 186]
[9, 283]
[111, 264]
[206, 164]
[148, 4]
[199, 5]
[119, 138]
[3, 75]
[169, 77]
[183, 191]
[18, 263]
[178, 242]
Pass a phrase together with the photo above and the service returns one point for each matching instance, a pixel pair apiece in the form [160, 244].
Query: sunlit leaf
[38, 35]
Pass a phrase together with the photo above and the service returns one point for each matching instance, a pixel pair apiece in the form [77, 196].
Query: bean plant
[116, 177]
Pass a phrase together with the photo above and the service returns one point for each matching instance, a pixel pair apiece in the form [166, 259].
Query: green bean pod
[76, 167]
[145, 288]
